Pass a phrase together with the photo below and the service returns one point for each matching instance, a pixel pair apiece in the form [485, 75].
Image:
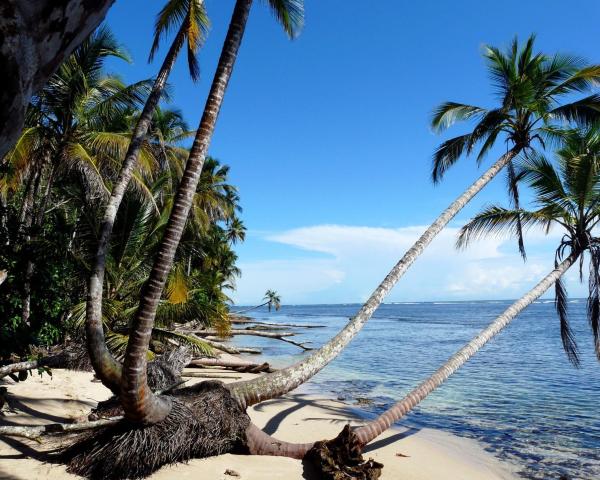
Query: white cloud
[357, 258]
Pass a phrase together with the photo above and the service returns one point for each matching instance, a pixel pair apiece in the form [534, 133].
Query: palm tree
[566, 197]
[66, 122]
[531, 87]
[273, 300]
[236, 231]
[189, 18]
[139, 403]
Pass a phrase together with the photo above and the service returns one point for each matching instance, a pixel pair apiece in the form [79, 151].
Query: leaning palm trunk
[250, 309]
[262, 444]
[139, 403]
[373, 429]
[107, 368]
[253, 391]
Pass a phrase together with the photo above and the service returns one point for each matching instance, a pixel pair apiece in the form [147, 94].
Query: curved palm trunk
[274, 385]
[373, 429]
[139, 403]
[250, 309]
[260, 443]
[106, 367]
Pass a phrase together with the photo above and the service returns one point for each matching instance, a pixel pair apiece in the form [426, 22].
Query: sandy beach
[406, 453]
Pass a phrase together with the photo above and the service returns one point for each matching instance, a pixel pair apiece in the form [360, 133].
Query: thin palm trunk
[139, 403]
[376, 427]
[106, 367]
[260, 443]
[37, 220]
[29, 222]
[251, 308]
[279, 383]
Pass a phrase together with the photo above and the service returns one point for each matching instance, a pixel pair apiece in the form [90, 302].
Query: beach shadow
[26, 409]
[26, 451]
[384, 442]
[273, 424]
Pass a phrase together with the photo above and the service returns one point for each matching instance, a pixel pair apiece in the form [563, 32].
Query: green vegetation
[53, 184]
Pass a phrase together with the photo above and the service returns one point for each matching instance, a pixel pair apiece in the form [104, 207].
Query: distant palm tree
[236, 231]
[566, 197]
[189, 18]
[530, 87]
[272, 300]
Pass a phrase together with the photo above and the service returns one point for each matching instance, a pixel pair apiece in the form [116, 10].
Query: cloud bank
[343, 264]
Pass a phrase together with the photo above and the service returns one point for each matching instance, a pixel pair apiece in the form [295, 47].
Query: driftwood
[238, 365]
[51, 361]
[209, 375]
[245, 321]
[229, 348]
[35, 432]
[212, 334]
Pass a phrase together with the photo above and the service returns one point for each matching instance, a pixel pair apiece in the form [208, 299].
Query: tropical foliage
[530, 87]
[53, 184]
[565, 196]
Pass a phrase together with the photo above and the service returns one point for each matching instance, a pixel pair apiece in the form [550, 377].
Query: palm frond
[290, 14]
[566, 334]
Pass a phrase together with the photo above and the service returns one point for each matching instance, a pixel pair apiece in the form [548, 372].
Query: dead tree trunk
[35, 38]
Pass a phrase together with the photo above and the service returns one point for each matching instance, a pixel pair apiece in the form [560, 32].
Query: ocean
[519, 396]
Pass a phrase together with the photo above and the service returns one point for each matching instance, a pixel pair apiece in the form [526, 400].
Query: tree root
[205, 421]
[341, 459]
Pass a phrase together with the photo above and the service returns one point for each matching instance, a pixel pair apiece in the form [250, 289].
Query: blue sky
[328, 138]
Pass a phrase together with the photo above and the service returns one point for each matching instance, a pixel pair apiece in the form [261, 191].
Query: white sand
[426, 454]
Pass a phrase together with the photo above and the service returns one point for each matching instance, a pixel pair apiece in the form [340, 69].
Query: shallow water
[519, 396]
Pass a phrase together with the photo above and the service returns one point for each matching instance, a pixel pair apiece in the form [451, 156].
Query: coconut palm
[139, 403]
[272, 300]
[67, 133]
[188, 18]
[566, 197]
[531, 86]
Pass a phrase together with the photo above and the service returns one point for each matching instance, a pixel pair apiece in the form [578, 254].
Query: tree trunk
[140, 404]
[27, 224]
[36, 38]
[260, 443]
[253, 391]
[250, 309]
[36, 220]
[105, 365]
[375, 428]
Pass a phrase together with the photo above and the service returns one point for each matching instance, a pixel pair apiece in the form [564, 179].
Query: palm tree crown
[530, 87]
[566, 195]
[273, 299]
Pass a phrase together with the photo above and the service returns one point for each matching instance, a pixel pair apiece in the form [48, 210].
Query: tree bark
[35, 38]
[107, 368]
[253, 391]
[139, 403]
[375, 428]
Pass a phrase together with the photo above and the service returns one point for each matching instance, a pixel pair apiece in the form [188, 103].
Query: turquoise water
[519, 396]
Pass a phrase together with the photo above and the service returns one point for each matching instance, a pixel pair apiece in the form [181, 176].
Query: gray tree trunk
[253, 391]
[260, 443]
[35, 37]
[375, 428]
[107, 368]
